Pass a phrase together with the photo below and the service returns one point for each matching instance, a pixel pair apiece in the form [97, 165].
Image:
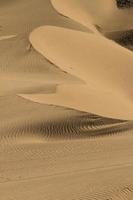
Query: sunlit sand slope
[105, 68]
[105, 14]
[88, 99]
[66, 111]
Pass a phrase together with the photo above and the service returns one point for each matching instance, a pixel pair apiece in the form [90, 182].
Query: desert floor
[66, 100]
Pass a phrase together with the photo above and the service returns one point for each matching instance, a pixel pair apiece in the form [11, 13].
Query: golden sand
[66, 111]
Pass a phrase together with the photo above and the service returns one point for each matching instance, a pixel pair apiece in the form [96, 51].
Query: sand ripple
[66, 103]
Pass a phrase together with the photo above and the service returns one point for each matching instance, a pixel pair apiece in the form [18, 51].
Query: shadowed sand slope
[124, 38]
[31, 121]
[44, 154]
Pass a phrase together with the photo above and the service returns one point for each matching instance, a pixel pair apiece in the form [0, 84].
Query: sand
[66, 111]
[7, 37]
[105, 14]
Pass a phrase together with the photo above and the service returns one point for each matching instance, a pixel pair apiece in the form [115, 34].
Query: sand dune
[83, 55]
[88, 99]
[66, 111]
[86, 59]
[104, 14]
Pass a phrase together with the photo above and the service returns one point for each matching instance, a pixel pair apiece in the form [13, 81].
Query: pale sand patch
[7, 37]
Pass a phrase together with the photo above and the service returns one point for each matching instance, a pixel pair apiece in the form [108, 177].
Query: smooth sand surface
[88, 99]
[104, 14]
[105, 67]
[66, 111]
[7, 37]
[86, 56]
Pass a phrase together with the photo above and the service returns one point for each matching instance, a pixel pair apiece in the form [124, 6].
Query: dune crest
[84, 54]
[66, 100]
[103, 13]
[89, 99]
[96, 61]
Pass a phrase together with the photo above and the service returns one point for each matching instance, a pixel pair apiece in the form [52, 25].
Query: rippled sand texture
[66, 111]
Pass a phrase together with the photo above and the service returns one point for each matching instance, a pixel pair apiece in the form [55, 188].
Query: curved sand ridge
[105, 17]
[84, 55]
[85, 98]
[56, 153]
[105, 14]
[104, 66]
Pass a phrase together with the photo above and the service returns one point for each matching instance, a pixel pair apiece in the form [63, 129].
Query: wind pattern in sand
[66, 110]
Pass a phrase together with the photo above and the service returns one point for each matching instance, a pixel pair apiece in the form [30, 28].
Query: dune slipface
[66, 105]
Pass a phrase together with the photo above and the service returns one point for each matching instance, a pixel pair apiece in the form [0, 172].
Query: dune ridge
[86, 59]
[106, 14]
[66, 110]
[88, 66]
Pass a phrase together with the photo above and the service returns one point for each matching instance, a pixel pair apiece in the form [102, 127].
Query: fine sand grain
[66, 100]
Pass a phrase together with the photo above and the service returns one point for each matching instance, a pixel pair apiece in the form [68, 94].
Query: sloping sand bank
[66, 111]
[88, 99]
[105, 67]
[105, 14]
